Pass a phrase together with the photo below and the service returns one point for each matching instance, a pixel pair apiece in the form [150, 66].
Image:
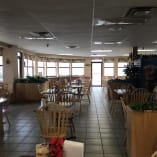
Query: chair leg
[72, 128]
[8, 119]
[88, 98]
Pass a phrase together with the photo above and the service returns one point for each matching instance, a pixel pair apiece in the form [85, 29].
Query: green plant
[132, 71]
[141, 107]
[133, 75]
[32, 79]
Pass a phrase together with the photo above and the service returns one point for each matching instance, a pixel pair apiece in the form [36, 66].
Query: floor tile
[101, 133]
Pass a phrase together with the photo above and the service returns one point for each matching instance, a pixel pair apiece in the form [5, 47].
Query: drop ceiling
[77, 25]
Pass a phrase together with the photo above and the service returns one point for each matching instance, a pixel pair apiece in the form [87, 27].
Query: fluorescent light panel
[66, 54]
[39, 38]
[107, 43]
[101, 51]
[97, 55]
[146, 50]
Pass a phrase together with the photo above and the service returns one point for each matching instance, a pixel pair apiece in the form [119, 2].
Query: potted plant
[133, 74]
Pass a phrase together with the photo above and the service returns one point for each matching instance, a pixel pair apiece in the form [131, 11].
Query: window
[1, 68]
[51, 69]
[28, 67]
[109, 69]
[41, 68]
[77, 69]
[64, 69]
[121, 67]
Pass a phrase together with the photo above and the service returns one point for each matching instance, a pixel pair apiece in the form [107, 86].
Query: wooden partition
[141, 133]
[25, 92]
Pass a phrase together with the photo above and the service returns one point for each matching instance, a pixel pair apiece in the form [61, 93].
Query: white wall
[10, 71]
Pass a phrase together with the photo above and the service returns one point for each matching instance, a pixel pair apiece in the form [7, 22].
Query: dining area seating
[56, 119]
[52, 122]
[115, 91]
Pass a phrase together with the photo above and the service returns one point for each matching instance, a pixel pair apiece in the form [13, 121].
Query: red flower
[56, 147]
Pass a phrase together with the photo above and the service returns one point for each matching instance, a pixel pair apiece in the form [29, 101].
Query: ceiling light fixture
[99, 22]
[65, 54]
[109, 43]
[39, 38]
[98, 42]
[146, 50]
[101, 51]
[98, 55]
[119, 42]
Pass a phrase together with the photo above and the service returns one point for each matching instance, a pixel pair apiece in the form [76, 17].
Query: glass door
[96, 73]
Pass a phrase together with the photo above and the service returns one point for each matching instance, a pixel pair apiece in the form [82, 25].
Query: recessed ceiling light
[119, 42]
[65, 54]
[39, 38]
[101, 51]
[98, 42]
[146, 50]
[97, 55]
[99, 22]
[108, 43]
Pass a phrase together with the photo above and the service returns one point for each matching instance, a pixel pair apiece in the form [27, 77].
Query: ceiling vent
[40, 36]
[72, 46]
[134, 16]
[139, 12]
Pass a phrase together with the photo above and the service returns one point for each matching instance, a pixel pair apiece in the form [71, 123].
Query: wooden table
[2, 101]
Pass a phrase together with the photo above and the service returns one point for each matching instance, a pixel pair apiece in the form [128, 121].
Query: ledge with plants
[141, 129]
[142, 107]
[32, 79]
[27, 90]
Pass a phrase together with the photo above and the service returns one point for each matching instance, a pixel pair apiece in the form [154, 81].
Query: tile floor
[101, 133]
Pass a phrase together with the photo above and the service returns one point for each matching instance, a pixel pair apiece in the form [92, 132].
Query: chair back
[52, 122]
[140, 95]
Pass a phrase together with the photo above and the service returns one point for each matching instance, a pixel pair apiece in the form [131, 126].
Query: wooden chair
[4, 94]
[52, 123]
[54, 120]
[140, 95]
[114, 101]
[85, 91]
[69, 101]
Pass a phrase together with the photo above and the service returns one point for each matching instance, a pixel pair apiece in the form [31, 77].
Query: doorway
[96, 73]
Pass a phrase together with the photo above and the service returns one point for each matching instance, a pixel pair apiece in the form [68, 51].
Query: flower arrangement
[56, 147]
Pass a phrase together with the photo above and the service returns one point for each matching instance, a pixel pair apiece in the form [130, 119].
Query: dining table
[68, 89]
[2, 101]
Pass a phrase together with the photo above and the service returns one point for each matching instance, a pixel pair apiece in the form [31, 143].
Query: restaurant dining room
[62, 115]
[78, 78]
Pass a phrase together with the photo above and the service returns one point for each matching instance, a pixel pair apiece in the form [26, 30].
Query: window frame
[109, 67]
